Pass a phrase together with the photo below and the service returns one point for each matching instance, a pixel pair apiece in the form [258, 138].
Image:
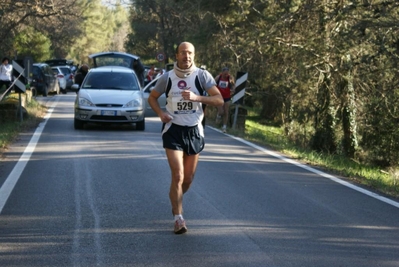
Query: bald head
[185, 55]
[183, 45]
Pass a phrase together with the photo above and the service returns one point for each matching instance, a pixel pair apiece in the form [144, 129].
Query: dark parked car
[44, 80]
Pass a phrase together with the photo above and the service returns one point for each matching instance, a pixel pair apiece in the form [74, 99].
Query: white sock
[178, 217]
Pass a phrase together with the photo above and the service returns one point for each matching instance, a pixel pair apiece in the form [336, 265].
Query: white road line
[310, 169]
[12, 179]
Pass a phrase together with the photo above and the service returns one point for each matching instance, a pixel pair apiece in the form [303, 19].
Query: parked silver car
[67, 68]
[68, 73]
[109, 94]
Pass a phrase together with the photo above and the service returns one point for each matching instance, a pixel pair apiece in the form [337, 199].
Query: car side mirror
[75, 87]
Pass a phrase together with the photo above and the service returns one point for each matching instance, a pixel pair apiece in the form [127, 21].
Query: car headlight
[83, 102]
[136, 103]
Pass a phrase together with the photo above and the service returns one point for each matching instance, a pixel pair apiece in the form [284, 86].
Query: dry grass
[12, 127]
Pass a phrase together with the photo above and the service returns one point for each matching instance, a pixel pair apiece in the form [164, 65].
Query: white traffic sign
[160, 57]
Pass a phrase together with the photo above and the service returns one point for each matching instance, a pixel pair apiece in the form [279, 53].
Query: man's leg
[181, 181]
[226, 107]
[183, 169]
[8, 84]
[175, 159]
[219, 114]
[190, 165]
[1, 86]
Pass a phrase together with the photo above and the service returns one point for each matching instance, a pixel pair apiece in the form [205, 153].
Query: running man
[182, 131]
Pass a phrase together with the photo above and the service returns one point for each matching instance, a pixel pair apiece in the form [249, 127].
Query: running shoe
[180, 227]
[224, 129]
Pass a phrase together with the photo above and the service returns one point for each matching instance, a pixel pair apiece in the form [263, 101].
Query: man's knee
[186, 186]
[187, 183]
[177, 178]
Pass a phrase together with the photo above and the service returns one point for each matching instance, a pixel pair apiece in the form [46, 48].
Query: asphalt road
[99, 197]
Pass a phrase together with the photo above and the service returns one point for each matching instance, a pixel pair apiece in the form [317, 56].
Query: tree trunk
[349, 124]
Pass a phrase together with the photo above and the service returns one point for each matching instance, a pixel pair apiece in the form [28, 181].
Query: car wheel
[34, 92]
[140, 125]
[45, 90]
[78, 124]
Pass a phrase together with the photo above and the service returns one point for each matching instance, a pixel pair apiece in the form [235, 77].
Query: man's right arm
[158, 90]
[153, 101]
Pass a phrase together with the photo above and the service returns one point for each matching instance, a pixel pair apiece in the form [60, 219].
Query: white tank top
[184, 112]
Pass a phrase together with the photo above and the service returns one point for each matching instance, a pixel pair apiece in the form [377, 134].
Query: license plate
[108, 112]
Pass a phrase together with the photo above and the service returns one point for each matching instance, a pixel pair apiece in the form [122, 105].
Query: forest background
[324, 71]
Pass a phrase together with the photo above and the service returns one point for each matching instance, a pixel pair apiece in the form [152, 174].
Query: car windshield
[65, 71]
[111, 80]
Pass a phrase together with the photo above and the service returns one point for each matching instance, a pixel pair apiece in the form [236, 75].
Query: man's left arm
[214, 97]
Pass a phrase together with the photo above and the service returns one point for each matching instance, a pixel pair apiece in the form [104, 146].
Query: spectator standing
[81, 74]
[151, 73]
[139, 70]
[5, 73]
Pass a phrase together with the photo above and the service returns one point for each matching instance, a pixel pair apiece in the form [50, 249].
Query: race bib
[223, 84]
[181, 106]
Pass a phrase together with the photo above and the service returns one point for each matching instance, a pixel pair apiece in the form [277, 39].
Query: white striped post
[239, 93]
[21, 87]
[18, 72]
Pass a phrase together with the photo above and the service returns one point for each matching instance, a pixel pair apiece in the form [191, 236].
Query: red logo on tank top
[182, 85]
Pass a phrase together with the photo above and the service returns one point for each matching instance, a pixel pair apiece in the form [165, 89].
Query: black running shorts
[183, 138]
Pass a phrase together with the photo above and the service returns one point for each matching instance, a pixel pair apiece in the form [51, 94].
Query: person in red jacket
[151, 73]
[226, 85]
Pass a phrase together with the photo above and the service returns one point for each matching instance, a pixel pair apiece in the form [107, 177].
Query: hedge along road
[99, 197]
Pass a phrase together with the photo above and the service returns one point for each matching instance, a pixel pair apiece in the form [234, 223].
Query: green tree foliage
[121, 29]
[156, 26]
[75, 28]
[323, 70]
[47, 17]
[159, 25]
[97, 30]
[34, 44]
